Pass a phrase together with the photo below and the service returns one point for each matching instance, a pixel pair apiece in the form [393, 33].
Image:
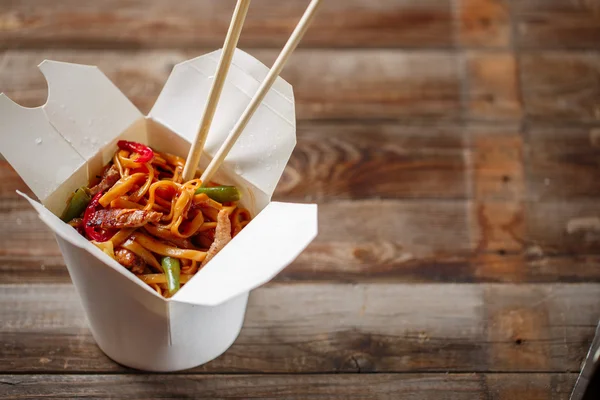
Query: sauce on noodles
[161, 229]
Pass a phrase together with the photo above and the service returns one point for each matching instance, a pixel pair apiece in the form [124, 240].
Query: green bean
[172, 269]
[79, 201]
[222, 194]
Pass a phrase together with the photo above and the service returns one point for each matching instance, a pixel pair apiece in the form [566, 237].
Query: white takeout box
[58, 146]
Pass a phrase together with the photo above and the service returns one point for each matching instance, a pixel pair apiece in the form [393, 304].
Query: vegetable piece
[222, 194]
[172, 270]
[93, 233]
[145, 153]
[77, 205]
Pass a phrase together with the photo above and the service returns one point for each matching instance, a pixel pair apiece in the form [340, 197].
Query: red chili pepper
[93, 233]
[145, 152]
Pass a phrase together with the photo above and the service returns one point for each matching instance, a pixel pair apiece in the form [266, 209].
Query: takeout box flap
[269, 243]
[86, 108]
[35, 149]
[84, 112]
[262, 151]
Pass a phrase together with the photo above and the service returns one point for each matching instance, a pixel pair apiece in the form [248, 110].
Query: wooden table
[453, 148]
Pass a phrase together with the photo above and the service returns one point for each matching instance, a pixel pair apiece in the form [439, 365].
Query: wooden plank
[561, 85]
[203, 23]
[521, 323]
[557, 24]
[575, 226]
[310, 328]
[340, 386]
[562, 163]
[532, 264]
[348, 263]
[484, 23]
[381, 160]
[561, 179]
[493, 89]
[328, 84]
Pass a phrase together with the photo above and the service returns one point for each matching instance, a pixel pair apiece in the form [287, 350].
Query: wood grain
[484, 23]
[341, 386]
[557, 24]
[328, 84]
[561, 85]
[496, 162]
[575, 227]
[493, 90]
[563, 162]
[348, 263]
[498, 211]
[562, 171]
[203, 23]
[382, 160]
[310, 328]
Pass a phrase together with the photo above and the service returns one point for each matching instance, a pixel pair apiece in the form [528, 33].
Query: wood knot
[485, 22]
[489, 98]
[358, 363]
[364, 255]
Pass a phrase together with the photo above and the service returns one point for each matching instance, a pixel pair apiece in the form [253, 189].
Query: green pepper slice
[77, 205]
[222, 194]
[172, 270]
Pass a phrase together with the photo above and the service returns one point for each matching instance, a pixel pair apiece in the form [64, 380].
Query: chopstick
[233, 34]
[263, 89]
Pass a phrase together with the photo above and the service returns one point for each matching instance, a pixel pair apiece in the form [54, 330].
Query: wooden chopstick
[278, 65]
[233, 34]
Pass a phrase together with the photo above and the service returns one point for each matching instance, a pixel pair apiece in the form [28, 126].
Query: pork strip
[109, 178]
[222, 236]
[118, 218]
[130, 260]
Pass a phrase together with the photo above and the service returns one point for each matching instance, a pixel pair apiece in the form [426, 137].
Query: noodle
[146, 215]
[203, 199]
[210, 213]
[120, 188]
[142, 191]
[165, 250]
[121, 236]
[190, 269]
[153, 279]
[122, 202]
[142, 252]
